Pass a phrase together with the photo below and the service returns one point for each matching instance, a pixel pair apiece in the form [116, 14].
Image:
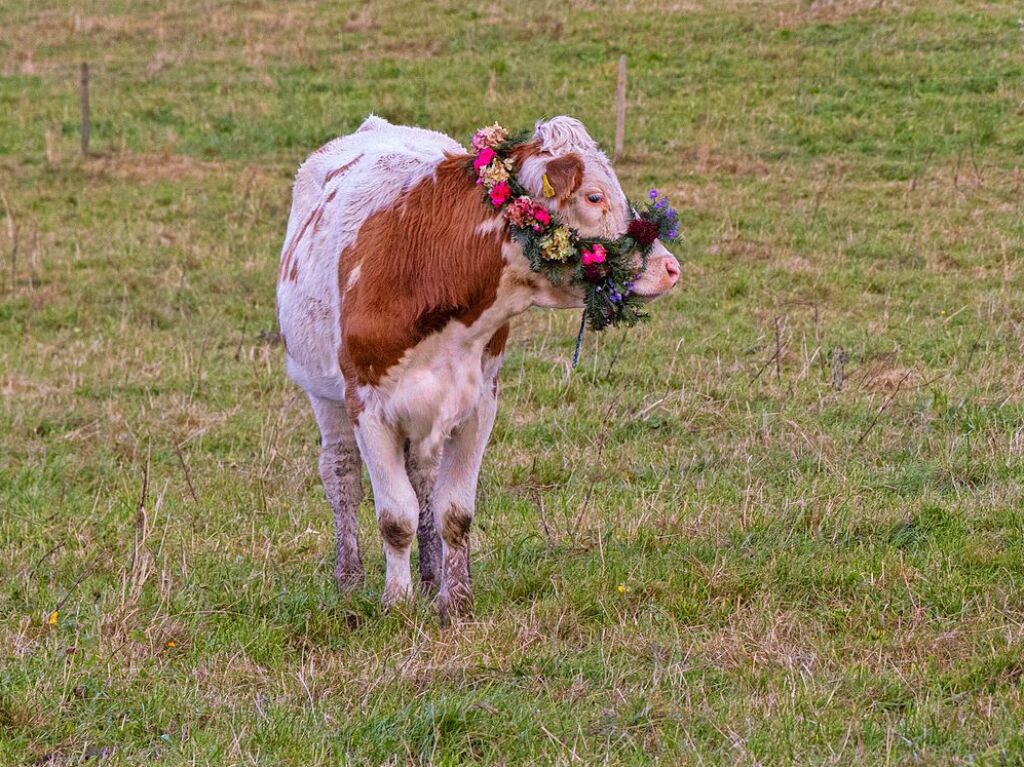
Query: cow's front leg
[394, 500]
[454, 503]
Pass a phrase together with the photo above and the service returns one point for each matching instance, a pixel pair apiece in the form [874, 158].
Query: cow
[396, 286]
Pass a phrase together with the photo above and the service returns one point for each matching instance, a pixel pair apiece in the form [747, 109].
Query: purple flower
[653, 194]
[671, 213]
[662, 203]
[671, 234]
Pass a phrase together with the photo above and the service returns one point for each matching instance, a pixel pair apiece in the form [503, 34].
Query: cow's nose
[672, 269]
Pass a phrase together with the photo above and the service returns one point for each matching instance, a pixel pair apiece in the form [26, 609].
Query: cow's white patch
[353, 277]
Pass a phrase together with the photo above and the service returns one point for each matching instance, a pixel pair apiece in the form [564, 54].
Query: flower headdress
[605, 268]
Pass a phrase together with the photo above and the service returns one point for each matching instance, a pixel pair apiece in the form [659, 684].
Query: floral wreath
[604, 267]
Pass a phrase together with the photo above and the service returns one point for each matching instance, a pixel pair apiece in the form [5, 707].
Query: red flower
[593, 255]
[483, 159]
[500, 193]
[592, 259]
[643, 231]
[541, 215]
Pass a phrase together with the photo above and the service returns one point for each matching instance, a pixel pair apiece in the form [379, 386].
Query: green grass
[686, 552]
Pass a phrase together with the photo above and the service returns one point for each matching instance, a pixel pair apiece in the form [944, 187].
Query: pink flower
[594, 255]
[500, 193]
[483, 159]
[541, 215]
[490, 136]
[520, 211]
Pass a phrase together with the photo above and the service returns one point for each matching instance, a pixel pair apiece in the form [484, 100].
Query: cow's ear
[564, 175]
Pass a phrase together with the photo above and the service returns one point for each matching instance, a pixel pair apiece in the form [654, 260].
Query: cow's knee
[455, 524]
[397, 527]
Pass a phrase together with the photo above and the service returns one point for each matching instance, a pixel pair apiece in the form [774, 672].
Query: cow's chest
[433, 391]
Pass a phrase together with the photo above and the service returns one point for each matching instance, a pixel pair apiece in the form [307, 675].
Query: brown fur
[289, 256]
[565, 174]
[495, 348]
[456, 525]
[423, 264]
[497, 343]
[342, 169]
[525, 151]
[396, 534]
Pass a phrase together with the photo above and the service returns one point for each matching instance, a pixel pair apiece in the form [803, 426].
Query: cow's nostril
[672, 267]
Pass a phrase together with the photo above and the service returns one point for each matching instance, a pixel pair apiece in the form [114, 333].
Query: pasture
[781, 523]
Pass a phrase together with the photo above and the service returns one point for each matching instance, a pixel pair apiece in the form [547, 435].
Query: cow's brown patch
[314, 219]
[565, 174]
[423, 263]
[343, 169]
[455, 525]
[497, 343]
[523, 152]
[397, 533]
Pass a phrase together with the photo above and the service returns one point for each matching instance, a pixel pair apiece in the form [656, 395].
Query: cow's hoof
[429, 585]
[396, 593]
[349, 580]
[454, 605]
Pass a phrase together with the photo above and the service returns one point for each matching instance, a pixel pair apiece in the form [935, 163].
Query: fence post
[85, 109]
[620, 108]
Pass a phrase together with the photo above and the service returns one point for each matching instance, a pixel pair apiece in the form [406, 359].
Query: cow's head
[588, 197]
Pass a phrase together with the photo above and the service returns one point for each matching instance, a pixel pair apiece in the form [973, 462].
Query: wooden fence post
[85, 109]
[620, 108]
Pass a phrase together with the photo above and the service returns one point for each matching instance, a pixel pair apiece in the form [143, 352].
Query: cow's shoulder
[432, 257]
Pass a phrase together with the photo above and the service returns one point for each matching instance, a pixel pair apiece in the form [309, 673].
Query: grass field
[782, 523]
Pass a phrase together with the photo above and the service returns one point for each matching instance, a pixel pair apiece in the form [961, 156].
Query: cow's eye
[595, 197]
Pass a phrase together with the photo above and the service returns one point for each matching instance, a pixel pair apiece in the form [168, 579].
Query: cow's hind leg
[423, 475]
[454, 502]
[340, 468]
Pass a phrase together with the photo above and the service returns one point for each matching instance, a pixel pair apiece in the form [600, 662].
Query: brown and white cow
[396, 287]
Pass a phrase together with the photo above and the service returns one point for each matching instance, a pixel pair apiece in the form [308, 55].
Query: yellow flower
[622, 588]
[52, 620]
[557, 246]
[171, 645]
[495, 173]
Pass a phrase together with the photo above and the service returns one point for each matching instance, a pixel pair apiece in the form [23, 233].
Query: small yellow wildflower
[52, 620]
[171, 644]
[622, 588]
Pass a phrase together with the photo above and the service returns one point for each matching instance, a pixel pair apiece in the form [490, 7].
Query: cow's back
[336, 189]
